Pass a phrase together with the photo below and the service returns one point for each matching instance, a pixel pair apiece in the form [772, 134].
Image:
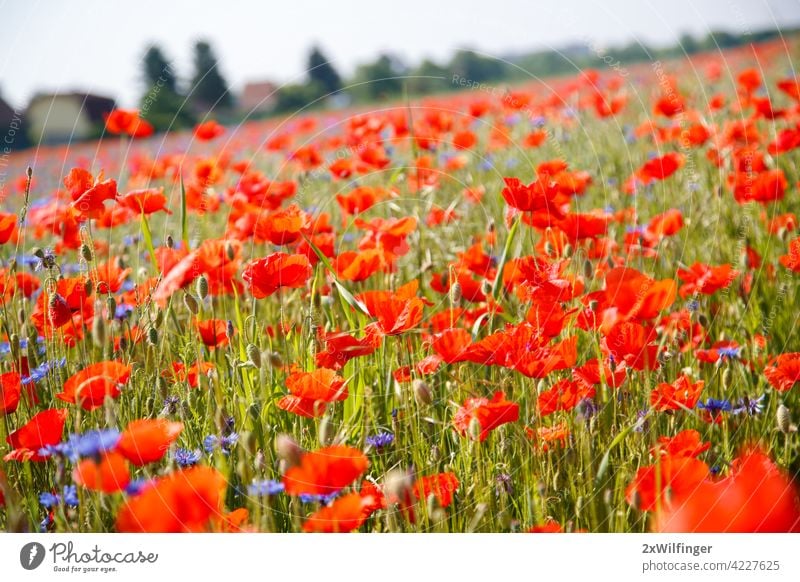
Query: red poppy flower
[358, 266]
[192, 374]
[305, 407]
[8, 227]
[682, 393]
[784, 371]
[791, 260]
[686, 443]
[338, 348]
[88, 194]
[147, 440]
[90, 386]
[43, 429]
[705, 279]
[107, 474]
[183, 501]
[109, 276]
[265, 276]
[213, 332]
[755, 498]
[10, 391]
[208, 130]
[442, 486]
[345, 514]
[128, 122]
[564, 395]
[653, 485]
[545, 436]
[537, 196]
[396, 312]
[145, 201]
[282, 227]
[489, 414]
[633, 344]
[322, 384]
[325, 471]
[637, 296]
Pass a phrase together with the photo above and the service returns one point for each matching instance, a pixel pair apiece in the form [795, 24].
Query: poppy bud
[170, 242]
[486, 287]
[29, 172]
[88, 286]
[422, 392]
[254, 355]
[86, 253]
[288, 450]
[14, 344]
[58, 311]
[703, 320]
[783, 419]
[325, 432]
[229, 252]
[152, 336]
[250, 442]
[191, 303]
[567, 252]
[202, 287]
[21, 317]
[455, 294]
[549, 249]
[275, 360]
[588, 269]
[593, 305]
[99, 331]
[229, 330]
[111, 307]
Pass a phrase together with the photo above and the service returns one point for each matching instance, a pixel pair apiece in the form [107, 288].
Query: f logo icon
[31, 555]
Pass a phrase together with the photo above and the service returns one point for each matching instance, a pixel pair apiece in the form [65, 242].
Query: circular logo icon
[31, 555]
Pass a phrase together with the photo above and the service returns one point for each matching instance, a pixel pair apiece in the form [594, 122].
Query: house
[258, 97]
[64, 117]
[12, 130]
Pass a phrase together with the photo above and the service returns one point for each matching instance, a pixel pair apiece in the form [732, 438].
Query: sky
[97, 45]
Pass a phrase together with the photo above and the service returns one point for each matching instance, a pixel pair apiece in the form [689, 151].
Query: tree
[208, 88]
[474, 67]
[162, 104]
[158, 70]
[381, 78]
[428, 77]
[322, 72]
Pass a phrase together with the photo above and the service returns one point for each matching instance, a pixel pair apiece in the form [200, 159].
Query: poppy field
[565, 306]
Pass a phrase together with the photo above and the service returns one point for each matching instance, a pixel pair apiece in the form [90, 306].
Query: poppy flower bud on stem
[170, 242]
[455, 294]
[783, 418]
[254, 355]
[111, 308]
[288, 450]
[588, 269]
[726, 378]
[325, 432]
[399, 485]
[191, 303]
[99, 331]
[202, 287]
[422, 392]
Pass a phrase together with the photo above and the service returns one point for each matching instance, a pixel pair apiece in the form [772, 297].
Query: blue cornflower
[693, 305]
[586, 409]
[123, 310]
[137, 486]
[68, 496]
[225, 443]
[642, 422]
[94, 442]
[88, 444]
[750, 406]
[266, 488]
[186, 457]
[323, 499]
[714, 406]
[729, 352]
[380, 440]
[41, 371]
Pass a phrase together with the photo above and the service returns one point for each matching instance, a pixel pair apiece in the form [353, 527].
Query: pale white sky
[97, 45]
